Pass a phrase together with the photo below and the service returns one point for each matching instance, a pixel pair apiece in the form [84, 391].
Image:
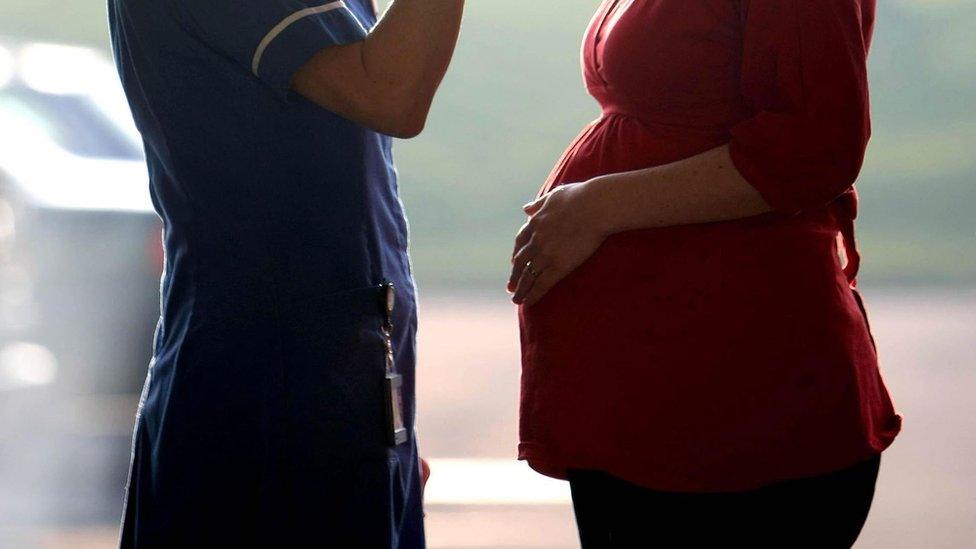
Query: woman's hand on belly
[567, 225]
[563, 231]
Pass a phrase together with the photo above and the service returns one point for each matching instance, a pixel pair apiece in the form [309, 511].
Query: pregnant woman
[696, 359]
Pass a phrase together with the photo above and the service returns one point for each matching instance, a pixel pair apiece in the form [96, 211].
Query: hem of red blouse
[537, 461]
[556, 465]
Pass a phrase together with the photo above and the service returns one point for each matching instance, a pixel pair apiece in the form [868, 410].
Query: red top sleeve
[804, 75]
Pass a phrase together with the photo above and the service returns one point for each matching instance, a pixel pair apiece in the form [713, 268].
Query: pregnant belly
[679, 285]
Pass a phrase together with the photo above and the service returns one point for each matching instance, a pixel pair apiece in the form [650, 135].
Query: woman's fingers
[518, 267]
[525, 283]
[522, 256]
[532, 207]
[524, 251]
[522, 238]
[530, 277]
[554, 242]
[544, 282]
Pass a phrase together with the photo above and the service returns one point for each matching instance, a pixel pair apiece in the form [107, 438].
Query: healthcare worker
[278, 408]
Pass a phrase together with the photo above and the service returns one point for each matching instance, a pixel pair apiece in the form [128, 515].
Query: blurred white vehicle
[80, 252]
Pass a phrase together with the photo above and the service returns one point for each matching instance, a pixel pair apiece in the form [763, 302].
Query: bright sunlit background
[80, 259]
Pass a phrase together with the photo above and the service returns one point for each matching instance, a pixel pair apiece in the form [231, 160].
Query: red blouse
[718, 356]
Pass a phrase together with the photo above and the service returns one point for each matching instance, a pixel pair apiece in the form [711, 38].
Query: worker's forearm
[409, 50]
[699, 189]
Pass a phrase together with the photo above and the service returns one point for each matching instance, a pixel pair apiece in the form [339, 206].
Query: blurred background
[80, 260]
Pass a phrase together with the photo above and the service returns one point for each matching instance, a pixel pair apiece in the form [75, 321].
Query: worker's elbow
[407, 125]
[405, 117]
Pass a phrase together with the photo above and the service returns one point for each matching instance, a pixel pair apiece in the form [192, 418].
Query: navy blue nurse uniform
[263, 420]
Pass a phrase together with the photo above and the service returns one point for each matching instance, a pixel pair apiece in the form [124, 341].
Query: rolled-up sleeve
[271, 39]
[804, 76]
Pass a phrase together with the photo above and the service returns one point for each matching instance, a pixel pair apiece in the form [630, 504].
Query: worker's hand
[424, 474]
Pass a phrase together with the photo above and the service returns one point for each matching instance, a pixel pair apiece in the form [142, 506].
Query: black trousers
[823, 512]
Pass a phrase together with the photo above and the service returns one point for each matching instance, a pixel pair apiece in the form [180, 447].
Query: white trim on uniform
[281, 26]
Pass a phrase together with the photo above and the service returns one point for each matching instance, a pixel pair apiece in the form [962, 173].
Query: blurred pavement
[60, 485]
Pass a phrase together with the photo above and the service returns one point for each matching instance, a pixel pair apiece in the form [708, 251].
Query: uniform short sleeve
[271, 39]
[804, 77]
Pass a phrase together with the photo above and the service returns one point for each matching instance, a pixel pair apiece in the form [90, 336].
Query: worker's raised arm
[383, 78]
[387, 81]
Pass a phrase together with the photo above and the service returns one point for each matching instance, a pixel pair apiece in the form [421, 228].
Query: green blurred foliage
[514, 99]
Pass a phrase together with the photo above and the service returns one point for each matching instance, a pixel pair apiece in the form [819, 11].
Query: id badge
[396, 431]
